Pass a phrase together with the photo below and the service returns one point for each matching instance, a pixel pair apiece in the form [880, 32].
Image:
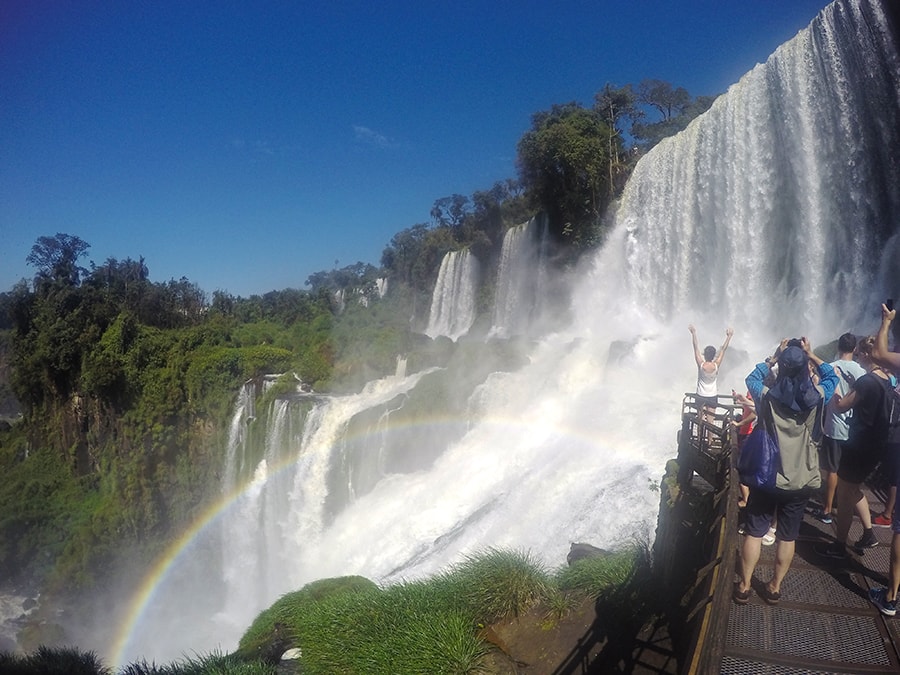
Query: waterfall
[776, 212]
[783, 200]
[520, 279]
[453, 301]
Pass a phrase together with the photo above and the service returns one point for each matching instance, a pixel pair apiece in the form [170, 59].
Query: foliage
[594, 576]
[500, 583]
[209, 664]
[349, 625]
[56, 260]
[562, 162]
[53, 661]
[674, 106]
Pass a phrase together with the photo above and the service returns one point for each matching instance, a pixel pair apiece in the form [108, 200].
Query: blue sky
[246, 145]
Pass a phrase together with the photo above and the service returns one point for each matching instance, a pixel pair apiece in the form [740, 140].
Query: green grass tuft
[594, 577]
[498, 583]
[53, 661]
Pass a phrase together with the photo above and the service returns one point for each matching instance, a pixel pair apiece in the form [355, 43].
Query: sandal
[740, 597]
[770, 597]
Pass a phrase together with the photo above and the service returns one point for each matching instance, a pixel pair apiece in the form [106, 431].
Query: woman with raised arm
[880, 353]
[708, 363]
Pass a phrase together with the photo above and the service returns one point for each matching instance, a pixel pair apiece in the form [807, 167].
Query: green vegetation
[53, 661]
[349, 625]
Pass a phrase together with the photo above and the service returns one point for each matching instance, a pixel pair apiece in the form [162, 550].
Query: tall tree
[563, 164]
[56, 259]
[675, 107]
[616, 106]
[669, 101]
[450, 211]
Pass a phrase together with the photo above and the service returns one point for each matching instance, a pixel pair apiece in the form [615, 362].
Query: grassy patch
[431, 626]
[350, 625]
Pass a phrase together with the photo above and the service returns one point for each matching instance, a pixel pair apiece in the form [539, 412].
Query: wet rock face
[580, 551]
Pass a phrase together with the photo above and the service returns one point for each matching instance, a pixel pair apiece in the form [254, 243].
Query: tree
[675, 107]
[563, 164]
[450, 211]
[667, 100]
[615, 106]
[56, 259]
[400, 255]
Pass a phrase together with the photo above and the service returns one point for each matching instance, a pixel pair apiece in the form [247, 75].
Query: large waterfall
[777, 212]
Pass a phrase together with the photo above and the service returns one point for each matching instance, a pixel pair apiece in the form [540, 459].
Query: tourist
[708, 370]
[864, 449]
[792, 408]
[743, 425]
[837, 423]
[885, 598]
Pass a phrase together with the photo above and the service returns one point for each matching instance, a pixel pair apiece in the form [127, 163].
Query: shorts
[830, 454]
[763, 505]
[706, 401]
[858, 462]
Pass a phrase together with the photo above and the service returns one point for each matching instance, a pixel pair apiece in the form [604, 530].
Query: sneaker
[881, 520]
[879, 597]
[823, 517]
[769, 537]
[868, 540]
[837, 551]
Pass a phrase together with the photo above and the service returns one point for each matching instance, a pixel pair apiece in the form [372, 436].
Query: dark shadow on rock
[619, 642]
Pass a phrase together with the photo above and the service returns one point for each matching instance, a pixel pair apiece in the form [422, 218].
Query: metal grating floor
[824, 623]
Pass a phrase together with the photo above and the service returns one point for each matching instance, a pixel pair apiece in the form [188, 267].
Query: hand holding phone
[889, 303]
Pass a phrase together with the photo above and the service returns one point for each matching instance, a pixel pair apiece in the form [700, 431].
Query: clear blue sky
[245, 145]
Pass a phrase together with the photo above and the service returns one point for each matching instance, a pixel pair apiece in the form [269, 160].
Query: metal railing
[705, 446]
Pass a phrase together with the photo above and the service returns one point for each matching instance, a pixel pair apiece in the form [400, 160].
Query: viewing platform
[824, 622]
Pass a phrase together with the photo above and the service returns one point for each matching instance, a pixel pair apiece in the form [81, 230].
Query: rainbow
[175, 551]
[141, 599]
[167, 560]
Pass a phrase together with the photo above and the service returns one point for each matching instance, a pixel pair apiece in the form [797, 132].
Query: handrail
[705, 450]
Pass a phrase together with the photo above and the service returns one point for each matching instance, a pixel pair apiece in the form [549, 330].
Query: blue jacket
[828, 380]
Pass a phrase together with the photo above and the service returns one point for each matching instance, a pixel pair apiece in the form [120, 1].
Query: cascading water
[453, 300]
[777, 212]
[781, 203]
[519, 279]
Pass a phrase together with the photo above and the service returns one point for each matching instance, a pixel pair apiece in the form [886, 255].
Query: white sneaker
[769, 537]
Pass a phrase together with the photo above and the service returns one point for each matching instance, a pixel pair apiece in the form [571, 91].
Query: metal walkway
[824, 622]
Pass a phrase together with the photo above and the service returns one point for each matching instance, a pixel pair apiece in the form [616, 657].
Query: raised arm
[697, 355]
[728, 333]
[880, 353]
[828, 379]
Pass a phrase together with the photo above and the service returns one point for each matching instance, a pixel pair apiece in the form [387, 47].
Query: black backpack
[892, 412]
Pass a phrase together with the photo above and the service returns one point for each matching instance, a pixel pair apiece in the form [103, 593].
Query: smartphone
[889, 303]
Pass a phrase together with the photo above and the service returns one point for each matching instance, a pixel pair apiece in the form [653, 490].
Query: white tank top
[706, 382]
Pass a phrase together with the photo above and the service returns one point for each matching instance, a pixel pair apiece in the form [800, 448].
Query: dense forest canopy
[124, 382]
